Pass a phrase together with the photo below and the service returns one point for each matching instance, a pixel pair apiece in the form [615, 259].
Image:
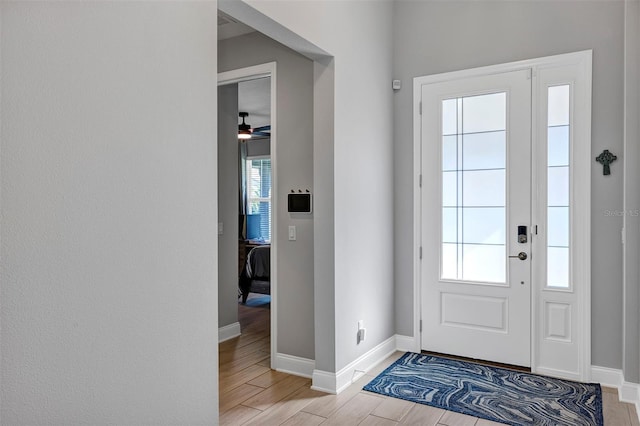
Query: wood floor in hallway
[253, 394]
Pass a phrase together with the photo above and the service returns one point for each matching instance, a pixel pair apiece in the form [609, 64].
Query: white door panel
[476, 148]
[561, 151]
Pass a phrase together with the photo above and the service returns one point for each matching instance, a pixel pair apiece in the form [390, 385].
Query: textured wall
[108, 228]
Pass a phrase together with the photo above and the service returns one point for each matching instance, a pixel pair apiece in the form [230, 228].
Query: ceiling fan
[246, 132]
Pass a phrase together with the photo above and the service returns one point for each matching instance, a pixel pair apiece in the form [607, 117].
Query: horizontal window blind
[259, 193]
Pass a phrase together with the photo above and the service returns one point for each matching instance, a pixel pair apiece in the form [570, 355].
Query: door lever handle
[522, 256]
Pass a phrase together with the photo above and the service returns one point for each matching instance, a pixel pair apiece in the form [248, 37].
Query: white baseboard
[324, 381]
[630, 392]
[335, 383]
[294, 365]
[228, 332]
[610, 377]
[562, 374]
[406, 344]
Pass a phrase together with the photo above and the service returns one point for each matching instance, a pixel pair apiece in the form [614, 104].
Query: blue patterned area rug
[497, 394]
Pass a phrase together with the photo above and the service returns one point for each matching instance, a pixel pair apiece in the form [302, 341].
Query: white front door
[476, 217]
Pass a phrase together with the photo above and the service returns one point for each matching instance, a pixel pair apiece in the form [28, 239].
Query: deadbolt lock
[522, 234]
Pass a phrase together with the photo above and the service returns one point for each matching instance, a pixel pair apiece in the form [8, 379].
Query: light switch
[220, 228]
[292, 233]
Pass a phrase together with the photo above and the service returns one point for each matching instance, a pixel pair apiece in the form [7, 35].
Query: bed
[256, 272]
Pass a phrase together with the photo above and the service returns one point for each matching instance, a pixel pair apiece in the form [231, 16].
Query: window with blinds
[259, 193]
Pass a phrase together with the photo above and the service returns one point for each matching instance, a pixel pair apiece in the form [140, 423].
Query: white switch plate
[220, 228]
[292, 233]
[361, 331]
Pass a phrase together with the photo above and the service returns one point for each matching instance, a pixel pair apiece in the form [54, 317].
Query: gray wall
[631, 361]
[435, 37]
[351, 42]
[258, 147]
[294, 169]
[108, 224]
[228, 204]
[324, 211]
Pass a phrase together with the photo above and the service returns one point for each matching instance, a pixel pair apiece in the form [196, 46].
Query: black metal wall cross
[605, 159]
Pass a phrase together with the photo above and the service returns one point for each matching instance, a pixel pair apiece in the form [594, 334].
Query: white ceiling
[229, 27]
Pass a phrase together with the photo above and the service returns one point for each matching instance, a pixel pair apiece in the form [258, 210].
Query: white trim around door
[561, 313]
[251, 73]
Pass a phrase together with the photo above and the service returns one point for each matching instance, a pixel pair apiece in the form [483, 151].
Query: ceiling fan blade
[262, 128]
[254, 133]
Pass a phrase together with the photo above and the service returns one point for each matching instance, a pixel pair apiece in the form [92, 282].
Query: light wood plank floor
[253, 394]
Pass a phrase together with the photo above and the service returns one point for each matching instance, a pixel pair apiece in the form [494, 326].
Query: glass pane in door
[558, 131]
[474, 189]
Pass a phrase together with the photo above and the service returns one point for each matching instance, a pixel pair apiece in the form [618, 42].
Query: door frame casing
[581, 199]
[251, 73]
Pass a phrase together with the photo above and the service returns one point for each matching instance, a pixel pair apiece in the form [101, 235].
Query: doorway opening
[247, 185]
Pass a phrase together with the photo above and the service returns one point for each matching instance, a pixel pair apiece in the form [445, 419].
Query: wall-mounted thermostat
[299, 203]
